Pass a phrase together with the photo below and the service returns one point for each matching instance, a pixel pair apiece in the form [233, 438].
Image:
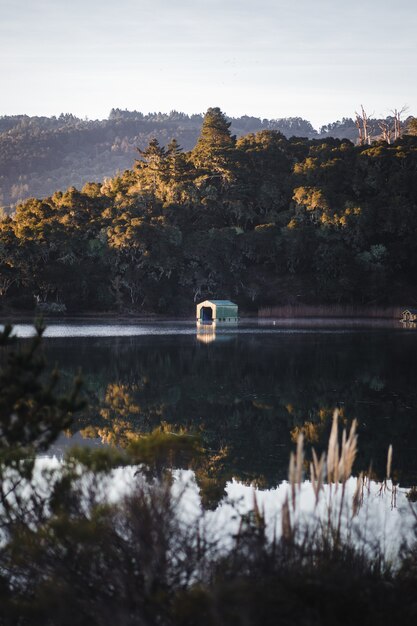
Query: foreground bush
[73, 550]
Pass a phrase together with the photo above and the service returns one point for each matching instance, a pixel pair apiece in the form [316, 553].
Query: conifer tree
[175, 160]
[215, 144]
[152, 168]
[153, 157]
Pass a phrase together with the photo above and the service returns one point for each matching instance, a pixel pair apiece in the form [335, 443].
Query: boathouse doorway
[206, 314]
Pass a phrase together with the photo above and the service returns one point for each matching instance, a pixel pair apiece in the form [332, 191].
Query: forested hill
[39, 155]
[261, 220]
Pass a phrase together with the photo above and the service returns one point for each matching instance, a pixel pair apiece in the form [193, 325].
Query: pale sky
[318, 59]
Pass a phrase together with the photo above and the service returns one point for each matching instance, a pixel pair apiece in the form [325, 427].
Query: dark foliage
[69, 555]
[263, 220]
[31, 414]
[41, 154]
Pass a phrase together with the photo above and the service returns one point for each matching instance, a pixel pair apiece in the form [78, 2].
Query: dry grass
[332, 470]
[137, 562]
[331, 311]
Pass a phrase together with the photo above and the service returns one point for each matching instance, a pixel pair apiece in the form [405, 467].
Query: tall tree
[215, 145]
[153, 162]
[176, 163]
[153, 171]
[362, 124]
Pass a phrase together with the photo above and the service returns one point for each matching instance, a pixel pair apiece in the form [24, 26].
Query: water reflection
[409, 325]
[206, 333]
[250, 396]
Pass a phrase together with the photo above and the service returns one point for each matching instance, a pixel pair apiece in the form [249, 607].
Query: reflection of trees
[251, 396]
[119, 413]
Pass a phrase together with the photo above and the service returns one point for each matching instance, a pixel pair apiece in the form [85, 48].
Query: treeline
[39, 155]
[261, 219]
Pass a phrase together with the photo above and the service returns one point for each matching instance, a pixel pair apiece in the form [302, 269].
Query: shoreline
[245, 324]
[285, 312]
[282, 315]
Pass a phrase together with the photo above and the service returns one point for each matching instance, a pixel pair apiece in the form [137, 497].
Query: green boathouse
[217, 311]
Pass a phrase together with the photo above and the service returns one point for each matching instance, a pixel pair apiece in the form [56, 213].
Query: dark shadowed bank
[70, 556]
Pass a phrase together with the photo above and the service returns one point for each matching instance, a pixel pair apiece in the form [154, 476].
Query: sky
[317, 59]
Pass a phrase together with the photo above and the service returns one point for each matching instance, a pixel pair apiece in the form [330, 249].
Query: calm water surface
[248, 390]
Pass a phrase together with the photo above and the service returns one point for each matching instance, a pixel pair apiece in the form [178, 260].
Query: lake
[247, 390]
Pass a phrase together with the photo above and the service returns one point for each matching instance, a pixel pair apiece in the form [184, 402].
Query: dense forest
[263, 219]
[39, 155]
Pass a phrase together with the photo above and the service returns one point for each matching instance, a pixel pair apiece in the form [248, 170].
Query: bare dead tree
[362, 124]
[386, 130]
[398, 126]
[359, 127]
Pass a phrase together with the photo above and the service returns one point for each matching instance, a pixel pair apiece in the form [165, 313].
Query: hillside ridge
[39, 155]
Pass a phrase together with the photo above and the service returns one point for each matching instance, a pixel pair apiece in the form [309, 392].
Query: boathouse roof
[222, 302]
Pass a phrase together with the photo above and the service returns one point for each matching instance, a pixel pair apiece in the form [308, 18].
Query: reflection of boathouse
[217, 311]
[409, 315]
[206, 333]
